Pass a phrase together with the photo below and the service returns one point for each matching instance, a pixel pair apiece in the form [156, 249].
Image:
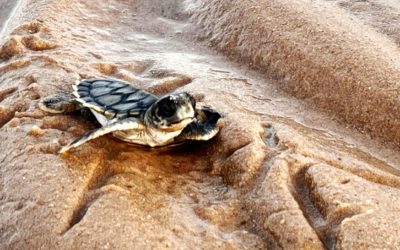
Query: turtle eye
[166, 109]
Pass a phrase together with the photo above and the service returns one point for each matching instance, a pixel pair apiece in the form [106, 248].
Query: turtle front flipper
[58, 105]
[198, 132]
[126, 124]
[204, 128]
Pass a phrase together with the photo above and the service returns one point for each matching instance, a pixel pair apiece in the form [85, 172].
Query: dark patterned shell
[113, 98]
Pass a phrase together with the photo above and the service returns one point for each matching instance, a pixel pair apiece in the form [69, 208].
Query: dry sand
[280, 175]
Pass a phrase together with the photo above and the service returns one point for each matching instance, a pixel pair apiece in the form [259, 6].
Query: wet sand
[6, 8]
[280, 175]
[339, 56]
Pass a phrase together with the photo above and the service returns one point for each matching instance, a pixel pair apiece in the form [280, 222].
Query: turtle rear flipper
[126, 124]
[58, 105]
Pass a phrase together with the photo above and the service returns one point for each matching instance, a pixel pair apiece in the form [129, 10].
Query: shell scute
[125, 106]
[100, 83]
[113, 98]
[100, 91]
[125, 90]
[117, 84]
[140, 95]
[83, 88]
[108, 100]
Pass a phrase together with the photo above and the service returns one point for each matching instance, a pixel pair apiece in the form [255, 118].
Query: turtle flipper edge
[126, 124]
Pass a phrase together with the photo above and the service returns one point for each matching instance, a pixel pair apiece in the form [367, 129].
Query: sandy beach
[6, 9]
[308, 152]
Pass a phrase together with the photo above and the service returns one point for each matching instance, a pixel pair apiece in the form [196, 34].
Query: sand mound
[338, 56]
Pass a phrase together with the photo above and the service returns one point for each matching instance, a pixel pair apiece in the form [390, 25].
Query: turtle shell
[113, 98]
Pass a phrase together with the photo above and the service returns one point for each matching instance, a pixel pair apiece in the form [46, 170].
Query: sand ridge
[318, 51]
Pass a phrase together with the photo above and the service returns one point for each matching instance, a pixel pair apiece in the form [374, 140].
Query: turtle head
[172, 112]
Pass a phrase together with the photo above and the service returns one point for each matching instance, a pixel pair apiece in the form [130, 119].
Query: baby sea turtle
[136, 116]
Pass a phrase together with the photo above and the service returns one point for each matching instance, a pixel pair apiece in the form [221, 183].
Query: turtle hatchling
[136, 116]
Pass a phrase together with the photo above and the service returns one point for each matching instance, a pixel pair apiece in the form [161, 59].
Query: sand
[307, 156]
[6, 8]
[341, 56]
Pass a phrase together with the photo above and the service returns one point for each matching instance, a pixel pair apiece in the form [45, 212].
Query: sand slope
[342, 56]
